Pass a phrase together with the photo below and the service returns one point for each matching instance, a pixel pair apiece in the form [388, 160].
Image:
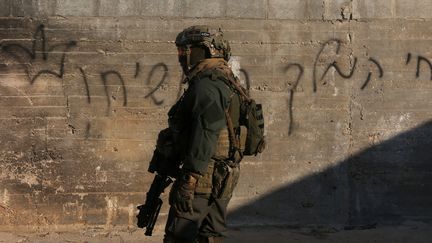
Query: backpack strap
[235, 152]
[228, 78]
[224, 74]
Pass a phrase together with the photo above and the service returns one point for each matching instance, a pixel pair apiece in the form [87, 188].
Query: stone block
[202, 8]
[255, 9]
[76, 8]
[5, 9]
[296, 9]
[337, 9]
[417, 9]
[120, 7]
[370, 9]
[162, 8]
[23, 8]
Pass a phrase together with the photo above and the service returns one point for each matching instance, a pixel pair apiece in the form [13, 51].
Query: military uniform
[198, 122]
[210, 128]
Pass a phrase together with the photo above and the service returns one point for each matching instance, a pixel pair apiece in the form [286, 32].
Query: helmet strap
[188, 54]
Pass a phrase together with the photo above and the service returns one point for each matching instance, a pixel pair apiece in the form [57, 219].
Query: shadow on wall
[387, 184]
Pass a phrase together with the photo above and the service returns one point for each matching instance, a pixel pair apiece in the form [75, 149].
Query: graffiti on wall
[40, 50]
[420, 60]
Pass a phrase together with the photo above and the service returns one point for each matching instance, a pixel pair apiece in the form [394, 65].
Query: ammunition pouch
[225, 150]
[219, 180]
[225, 178]
[205, 182]
[222, 146]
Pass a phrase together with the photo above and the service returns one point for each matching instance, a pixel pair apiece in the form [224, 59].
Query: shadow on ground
[387, 184]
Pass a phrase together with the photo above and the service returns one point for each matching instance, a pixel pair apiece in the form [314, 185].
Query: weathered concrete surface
[346, 87]
[411, 234]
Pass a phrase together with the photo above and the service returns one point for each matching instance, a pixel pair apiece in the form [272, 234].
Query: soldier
[205, 132]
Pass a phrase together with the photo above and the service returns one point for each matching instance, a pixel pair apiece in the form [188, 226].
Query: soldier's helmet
[207, 37]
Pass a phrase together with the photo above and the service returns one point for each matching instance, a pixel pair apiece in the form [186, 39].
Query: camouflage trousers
[210, 202]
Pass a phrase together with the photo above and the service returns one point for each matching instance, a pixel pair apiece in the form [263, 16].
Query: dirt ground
[399, 234]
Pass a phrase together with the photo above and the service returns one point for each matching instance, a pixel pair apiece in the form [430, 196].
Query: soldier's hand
[182, 192]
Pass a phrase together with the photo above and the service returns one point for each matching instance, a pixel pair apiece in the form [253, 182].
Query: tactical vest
[232, 139]
[244, 133]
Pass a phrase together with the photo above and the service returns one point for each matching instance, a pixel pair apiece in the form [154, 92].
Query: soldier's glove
[182, 192]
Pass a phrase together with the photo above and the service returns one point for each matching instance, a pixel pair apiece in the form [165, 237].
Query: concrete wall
[346, 87]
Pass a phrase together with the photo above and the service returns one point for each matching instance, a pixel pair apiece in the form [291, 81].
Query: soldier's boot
[167, 239]
[218, 239]
[202, 239]
[170, 239]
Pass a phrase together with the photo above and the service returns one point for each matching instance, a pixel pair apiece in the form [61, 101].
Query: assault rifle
[149, 212]
[165, 168]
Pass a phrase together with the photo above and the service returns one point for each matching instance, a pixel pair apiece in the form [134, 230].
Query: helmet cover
[205, 36]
